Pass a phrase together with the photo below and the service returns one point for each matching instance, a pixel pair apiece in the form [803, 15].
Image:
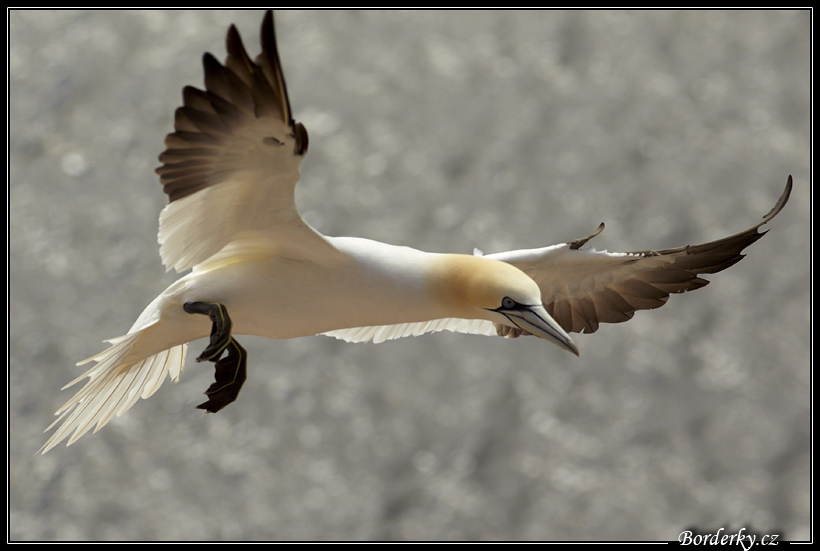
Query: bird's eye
[508, 303]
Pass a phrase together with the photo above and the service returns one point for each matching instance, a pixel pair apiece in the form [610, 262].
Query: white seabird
[230, 169]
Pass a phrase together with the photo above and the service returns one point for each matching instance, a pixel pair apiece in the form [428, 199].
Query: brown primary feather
[608, 288]
[236, 95]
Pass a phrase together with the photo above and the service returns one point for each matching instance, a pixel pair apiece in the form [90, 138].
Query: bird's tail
[120, 377]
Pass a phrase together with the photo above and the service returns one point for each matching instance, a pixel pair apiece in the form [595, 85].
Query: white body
[366, 283]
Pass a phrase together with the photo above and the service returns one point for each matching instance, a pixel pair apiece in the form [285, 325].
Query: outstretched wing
[232, 163]
[584, 288]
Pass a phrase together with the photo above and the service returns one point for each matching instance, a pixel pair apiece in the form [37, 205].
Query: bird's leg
[230, 371]
[220, 331]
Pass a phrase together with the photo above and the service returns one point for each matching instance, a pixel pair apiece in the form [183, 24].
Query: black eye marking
[270, 140]
[508, 304]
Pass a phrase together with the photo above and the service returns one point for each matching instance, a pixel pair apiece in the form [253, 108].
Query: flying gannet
[230, 169]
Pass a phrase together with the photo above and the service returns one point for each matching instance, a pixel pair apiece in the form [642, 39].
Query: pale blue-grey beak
[535, 320]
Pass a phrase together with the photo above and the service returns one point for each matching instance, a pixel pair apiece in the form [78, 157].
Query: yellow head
[475, 287]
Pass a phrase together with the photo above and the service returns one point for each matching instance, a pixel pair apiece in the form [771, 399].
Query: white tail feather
[113, 387]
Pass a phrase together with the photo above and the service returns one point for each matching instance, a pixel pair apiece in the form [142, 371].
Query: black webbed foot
[230, 371]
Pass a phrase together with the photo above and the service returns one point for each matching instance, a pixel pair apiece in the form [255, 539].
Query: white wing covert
[231, 166]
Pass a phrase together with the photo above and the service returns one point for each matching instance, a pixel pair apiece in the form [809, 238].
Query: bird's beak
[535, 320]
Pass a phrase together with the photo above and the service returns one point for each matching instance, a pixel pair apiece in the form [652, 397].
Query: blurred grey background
[443, 131]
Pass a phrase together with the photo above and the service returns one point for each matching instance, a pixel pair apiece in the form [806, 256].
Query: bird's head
[483, 288]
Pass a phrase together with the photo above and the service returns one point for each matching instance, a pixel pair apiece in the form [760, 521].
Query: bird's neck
[403, 285]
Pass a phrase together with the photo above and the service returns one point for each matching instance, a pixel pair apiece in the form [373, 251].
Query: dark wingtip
[271, 50]
[268, 33]
[232, 39]
[780, 202]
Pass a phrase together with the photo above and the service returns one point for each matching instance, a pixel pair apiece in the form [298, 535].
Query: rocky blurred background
[443, 131]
